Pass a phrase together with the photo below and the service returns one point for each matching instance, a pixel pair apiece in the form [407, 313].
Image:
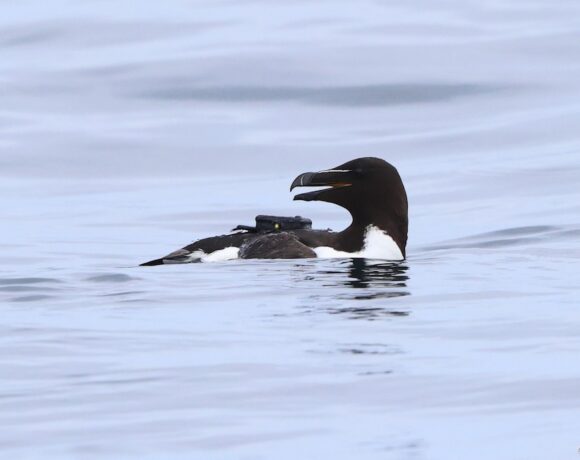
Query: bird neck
[352, 239]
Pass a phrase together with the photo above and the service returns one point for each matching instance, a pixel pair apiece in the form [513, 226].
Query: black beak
[334, 178]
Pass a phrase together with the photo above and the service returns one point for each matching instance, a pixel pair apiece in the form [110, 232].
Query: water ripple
[345, 96]
[112, 278]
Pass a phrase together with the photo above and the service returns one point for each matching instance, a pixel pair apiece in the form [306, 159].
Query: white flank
[221, 255]
[377, 245]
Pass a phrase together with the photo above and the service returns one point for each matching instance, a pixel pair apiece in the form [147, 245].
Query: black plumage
[370, 189]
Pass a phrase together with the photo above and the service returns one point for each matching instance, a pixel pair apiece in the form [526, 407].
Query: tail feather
[152, 263]
[181, 256]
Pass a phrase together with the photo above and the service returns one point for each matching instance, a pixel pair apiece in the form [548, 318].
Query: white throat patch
[377, 245]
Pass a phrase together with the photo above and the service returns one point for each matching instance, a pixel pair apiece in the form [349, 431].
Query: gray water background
[128, 129]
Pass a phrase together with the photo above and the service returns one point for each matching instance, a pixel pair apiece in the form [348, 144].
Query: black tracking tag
[265, 224]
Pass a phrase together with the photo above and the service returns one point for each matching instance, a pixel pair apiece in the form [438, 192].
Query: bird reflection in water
[372, 274]
[371, 280]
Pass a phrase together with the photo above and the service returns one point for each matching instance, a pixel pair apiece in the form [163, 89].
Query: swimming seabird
[370, 189]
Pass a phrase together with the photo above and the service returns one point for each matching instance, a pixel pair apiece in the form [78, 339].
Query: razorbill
[370, 189]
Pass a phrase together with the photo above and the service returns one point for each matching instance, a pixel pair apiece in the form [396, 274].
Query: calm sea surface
[129, 129]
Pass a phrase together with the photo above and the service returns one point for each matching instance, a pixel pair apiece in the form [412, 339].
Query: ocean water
[129, 129]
